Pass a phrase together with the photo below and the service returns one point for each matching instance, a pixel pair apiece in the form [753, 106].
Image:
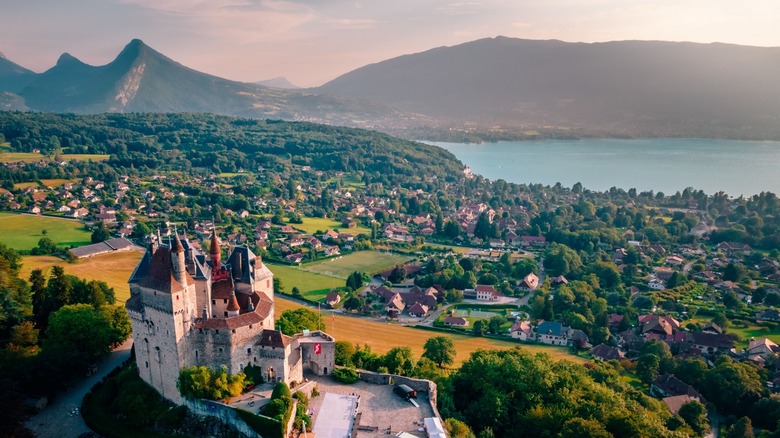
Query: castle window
[234, 331]
[250, 326]
[213, 302]
[248, 351]
[147, 364]
[226, 314]
[200, 330]
[177, 298]
[216, 331]
[220, 349]
[268, 283]
[224, 301]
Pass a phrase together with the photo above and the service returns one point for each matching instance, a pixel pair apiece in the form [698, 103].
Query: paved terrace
[378, 406]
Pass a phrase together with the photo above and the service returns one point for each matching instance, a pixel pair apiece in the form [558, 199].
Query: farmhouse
[111, 245]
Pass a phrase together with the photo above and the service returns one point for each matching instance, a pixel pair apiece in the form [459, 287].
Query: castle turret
[215, 252]
[178, 261]
[233, 308]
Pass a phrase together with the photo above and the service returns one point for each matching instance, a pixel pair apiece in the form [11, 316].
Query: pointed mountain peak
[67, 58]
[134, 49]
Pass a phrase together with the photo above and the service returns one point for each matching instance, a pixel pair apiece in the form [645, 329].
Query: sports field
[311, 225]
[115, 269]
[369, 262]
[381, 337]
[22, 231]
[313, 286]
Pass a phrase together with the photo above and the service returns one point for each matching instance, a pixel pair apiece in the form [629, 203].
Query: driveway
[62, 417]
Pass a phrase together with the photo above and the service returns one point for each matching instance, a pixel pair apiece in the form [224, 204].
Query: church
[189, 310]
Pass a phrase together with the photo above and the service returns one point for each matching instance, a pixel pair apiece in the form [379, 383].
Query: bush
[281, 390]
[267, 427]
[345, 375]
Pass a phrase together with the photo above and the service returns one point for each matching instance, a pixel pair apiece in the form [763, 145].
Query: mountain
[278, 82]
[141, 79]
[13, 77]
[634, 88]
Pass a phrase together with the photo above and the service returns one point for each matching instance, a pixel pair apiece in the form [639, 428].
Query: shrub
[345, 375]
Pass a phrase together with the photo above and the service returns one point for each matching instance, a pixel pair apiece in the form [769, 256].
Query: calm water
[667, 165]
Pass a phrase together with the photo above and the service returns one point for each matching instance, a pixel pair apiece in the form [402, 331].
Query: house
[710, 343]
[395, 305]
[533, 240]
[674, 403]
[35, 209]
[456, 321]
[529, 283]
[735, 248]
[331, 251]
[418, 310]
[667, 385]
[771, 315]
[605, 352]
[522, 330]
[552, 333]
[332, 298]
[486, 293]
[675, 260]
[559, 280]
[712, 328]
[763, 348]
[656, 283]
[294, 258]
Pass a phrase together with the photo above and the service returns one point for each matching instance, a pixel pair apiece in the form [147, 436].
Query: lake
[667, 165]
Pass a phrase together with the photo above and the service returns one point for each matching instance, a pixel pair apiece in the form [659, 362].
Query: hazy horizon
[310, 43]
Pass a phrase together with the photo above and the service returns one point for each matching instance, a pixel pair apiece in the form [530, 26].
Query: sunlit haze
[311, 42]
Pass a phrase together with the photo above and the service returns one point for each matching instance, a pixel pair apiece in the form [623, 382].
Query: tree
[561, 260]
[397, 275]
[721, 320]
[46, 246]
[494, 324]
[733, 387]
[478, 329]
[202, 382]
[695, 416]
[743, 428]
[354, 303]
[355, 280]
[24, 335]
[440, 349]
[647, 367]
[399, 361]
[458, 429]
[343, 354]
[140, 230]
[581, 427]
[295, 321]
[100, 233]
[451, 228]
[90, 332]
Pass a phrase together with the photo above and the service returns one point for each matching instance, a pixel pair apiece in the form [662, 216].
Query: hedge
[265, 426]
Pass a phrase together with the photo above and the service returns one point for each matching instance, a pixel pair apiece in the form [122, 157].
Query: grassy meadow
[369, 262]
[21, 231]
[14, 157]
[312, 285]
[114, 268]
[381, 337]
[311, 225]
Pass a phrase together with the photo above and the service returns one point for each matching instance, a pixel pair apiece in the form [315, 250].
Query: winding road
[62, 417]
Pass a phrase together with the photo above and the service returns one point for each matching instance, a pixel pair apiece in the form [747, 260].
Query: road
[62, 417]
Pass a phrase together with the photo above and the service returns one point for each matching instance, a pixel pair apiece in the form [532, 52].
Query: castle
[187, 310]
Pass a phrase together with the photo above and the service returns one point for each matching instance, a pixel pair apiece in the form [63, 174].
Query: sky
[313, 41]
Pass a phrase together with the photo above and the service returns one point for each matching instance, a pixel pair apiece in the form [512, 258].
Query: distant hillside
[141, 79]
[13, 77]
[635, 88]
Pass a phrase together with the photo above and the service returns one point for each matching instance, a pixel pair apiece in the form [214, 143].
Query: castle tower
[233, 308]
[215, 252]
[178, 261]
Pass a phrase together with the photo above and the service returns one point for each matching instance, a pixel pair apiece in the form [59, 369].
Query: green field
[369, 262]
[12, 157]
[312, 285]
[311, 225]
[24, 231]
